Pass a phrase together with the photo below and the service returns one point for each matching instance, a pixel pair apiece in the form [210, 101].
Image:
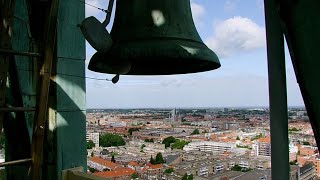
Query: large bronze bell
[154, 37]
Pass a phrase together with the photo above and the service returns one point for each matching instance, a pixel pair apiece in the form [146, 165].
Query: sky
[235, 31]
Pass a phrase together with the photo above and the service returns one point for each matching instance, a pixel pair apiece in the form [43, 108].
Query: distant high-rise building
[173, 115]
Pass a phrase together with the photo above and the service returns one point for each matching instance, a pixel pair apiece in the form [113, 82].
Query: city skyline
[206, 144]
[236, 32]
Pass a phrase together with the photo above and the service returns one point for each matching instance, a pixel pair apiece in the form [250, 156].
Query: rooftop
[116, 173]
[104, 162]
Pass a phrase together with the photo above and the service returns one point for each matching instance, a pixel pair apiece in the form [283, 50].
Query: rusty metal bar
[16, 109]
[19, 53]
[15, 162]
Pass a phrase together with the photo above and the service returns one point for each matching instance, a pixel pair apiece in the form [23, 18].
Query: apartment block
[93, 136]
[209, 146]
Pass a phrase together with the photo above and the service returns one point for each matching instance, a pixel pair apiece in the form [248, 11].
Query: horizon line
[217, 107]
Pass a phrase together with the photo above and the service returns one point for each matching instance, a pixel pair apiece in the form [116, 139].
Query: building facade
[209, 146]
[93, 136]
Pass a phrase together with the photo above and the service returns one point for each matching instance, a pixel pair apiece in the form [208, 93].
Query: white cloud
[235, 35]
[198, 12]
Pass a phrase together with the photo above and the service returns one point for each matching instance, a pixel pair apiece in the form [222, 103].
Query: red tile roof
[157, 166]
[116, 173]
[151, 166]
[133, 163]
[264, 140]
[104, 162]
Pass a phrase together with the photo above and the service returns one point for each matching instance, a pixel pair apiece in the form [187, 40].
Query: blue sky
[235, 30]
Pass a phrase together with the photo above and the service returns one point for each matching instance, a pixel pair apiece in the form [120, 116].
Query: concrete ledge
[78, 174]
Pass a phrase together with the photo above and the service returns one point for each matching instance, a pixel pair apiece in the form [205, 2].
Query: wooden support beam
[42, 106]
[16, 162]
[13, 52]
[16, 109]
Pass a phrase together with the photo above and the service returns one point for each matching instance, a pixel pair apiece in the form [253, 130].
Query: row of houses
[111, 170]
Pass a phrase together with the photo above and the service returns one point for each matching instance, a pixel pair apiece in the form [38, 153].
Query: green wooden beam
[277, 93]
[42, 105]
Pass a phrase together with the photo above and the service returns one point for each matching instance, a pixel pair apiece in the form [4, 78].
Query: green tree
[134, 176]
[293, 129]
[306, 143]
[236, 168]
[196, 131]
[237, 138]
[92, 170]
[293, 162]
[90, 144]
[112, 159]
[149, 140]
[133, 129]
[169, 170]
[239, 168]
[185, 176]
[107, 140]
[142, 146]
[167, 141]
[152, 161]
[179, 144]
[159, 159]
[114, 153]
[256, 137]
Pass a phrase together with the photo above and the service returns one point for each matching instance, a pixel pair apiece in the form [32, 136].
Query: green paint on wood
[70, 131]
[66, 134]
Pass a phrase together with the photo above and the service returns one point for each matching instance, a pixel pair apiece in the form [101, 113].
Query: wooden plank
[40, 123]
[16, 109]
[13, 52]
[15, 162]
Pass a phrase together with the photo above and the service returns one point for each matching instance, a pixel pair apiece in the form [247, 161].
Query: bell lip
[145, 59]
